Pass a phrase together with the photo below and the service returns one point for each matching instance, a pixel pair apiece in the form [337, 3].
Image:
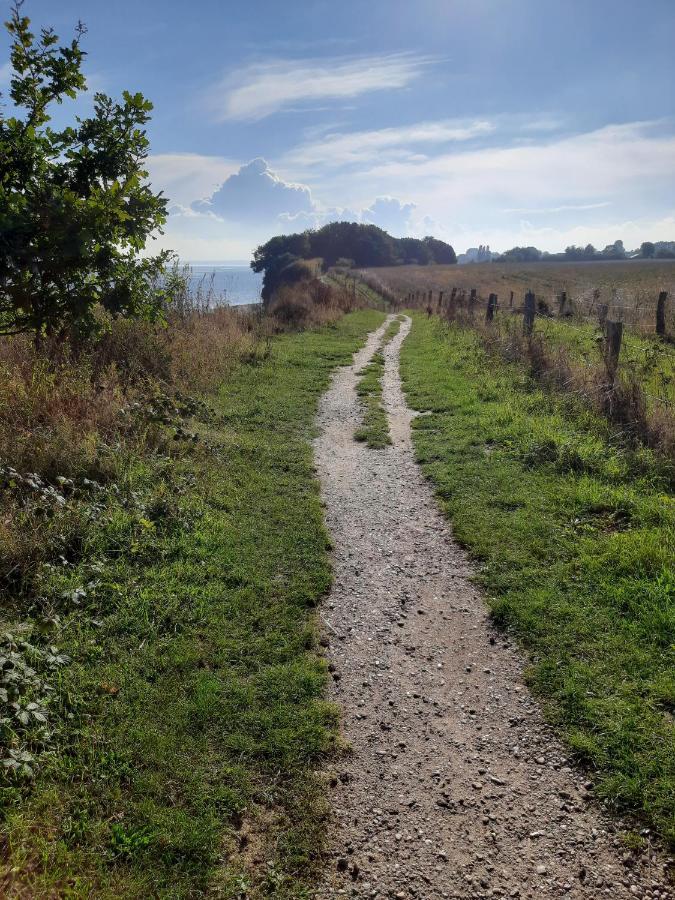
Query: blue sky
[506, 122]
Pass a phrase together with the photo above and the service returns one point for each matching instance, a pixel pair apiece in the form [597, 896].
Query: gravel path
[455, 787]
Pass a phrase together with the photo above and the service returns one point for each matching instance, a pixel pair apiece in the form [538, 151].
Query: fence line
[608, 316]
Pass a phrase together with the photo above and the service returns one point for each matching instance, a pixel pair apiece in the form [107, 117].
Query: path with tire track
[455, 787]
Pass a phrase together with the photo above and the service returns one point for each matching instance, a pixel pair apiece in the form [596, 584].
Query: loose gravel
[454, 787]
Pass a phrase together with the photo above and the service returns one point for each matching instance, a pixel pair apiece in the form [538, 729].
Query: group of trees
[648, 250]
[571, 254]
[342, 242]
[75, 208]
[521, 254]
[658, 250]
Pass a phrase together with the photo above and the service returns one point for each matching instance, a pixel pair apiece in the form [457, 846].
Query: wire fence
[646, 351]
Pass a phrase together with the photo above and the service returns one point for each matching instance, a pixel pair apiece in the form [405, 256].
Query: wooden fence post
[603, 311]
[613, 338]
[529, 312]
[472, 302]
[440, 300]
[511, 301]
[491, 308]
[562, 303]
[452, 305]
[661, 313]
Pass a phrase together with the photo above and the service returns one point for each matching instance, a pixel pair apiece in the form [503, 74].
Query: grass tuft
[374, 430]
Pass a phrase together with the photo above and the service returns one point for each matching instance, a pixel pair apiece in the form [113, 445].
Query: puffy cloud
[391, 214]
[262, 89]
[256, 195]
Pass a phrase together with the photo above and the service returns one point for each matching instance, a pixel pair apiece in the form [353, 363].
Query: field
[629, 288]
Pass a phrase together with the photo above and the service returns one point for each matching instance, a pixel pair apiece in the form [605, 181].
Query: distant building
[477, 255]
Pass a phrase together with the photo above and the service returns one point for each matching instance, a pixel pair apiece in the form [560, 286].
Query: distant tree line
[648, 250]
[282, 258]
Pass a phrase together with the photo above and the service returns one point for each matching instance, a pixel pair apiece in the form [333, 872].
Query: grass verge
[374, 430]
[575, 532]
[186, 704]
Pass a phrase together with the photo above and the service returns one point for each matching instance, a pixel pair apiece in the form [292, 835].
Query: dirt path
[456, 787]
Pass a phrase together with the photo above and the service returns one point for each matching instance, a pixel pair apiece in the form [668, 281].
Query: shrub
[75, 208]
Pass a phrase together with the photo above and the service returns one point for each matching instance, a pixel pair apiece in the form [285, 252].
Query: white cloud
[334, 150]
[257, 199]
[580, 169]
[541, 123]
[614, 182]
[391, 214]
[255, 194]
[547, 210]
[197, 244]
[266, 88]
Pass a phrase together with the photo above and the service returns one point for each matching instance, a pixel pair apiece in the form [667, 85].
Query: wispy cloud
[269, 87]
[582, 169]
[338, 149]
[547, 210]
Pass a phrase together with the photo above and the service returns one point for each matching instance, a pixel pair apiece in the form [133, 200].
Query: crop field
[630, 289]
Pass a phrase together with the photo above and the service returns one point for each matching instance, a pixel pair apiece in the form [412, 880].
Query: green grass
[191, 718]
[651, 360]
[374, 430]
[575, 535]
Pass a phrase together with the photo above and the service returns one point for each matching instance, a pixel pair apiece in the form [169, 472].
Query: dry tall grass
[313, 302]
[630, 289]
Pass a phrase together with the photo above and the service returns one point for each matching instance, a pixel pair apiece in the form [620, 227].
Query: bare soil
[455, 786]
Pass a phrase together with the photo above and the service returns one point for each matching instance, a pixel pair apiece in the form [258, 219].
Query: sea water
[231, 284]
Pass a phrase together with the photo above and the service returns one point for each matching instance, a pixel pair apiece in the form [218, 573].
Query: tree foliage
[75, 209]
[580, 254]
[521, 254]
[364, 245]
